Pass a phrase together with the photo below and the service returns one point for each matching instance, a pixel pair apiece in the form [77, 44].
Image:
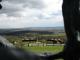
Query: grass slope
[42, 49]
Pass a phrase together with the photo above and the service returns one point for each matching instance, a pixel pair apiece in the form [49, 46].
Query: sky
[31, 13]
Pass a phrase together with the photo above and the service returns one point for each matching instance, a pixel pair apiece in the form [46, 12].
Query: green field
[43, 49]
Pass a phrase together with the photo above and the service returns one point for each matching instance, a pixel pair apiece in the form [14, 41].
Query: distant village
[39, 38]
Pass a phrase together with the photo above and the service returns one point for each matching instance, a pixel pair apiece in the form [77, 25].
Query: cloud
[11, 7]
[31, 13]
[28, 3]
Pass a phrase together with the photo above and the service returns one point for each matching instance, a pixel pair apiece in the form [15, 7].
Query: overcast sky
[31, 13]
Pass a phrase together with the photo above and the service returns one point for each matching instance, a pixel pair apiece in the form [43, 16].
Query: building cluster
[47, 40]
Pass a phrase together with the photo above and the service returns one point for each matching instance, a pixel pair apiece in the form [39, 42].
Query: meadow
[44, 49]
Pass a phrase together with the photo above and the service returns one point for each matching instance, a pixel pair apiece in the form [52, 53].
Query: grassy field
[43, 49]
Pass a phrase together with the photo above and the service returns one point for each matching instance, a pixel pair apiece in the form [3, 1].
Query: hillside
[33, 30]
